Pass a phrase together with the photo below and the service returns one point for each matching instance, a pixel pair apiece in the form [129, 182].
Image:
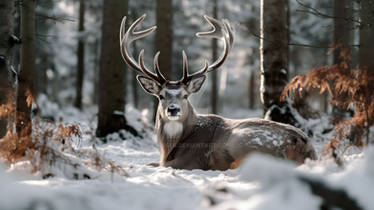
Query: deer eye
[161, 97]
[185, 96]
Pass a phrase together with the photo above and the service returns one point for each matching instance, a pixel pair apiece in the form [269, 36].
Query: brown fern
[356, 85]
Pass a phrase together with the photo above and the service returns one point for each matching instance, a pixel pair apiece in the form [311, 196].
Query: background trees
[296, 36]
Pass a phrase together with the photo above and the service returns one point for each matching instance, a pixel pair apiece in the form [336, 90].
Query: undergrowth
[349, 89]
[50, 145]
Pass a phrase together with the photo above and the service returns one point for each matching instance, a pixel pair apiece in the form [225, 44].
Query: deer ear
[195, 84]
[148, 85]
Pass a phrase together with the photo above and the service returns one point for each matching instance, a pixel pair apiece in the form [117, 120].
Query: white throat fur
[173, 129]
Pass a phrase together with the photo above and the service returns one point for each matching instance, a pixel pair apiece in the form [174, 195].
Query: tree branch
[304, 45]
[315, 12]
[55, 18]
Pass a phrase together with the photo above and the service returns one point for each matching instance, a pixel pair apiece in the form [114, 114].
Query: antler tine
[185, 67]
[127, 37]
[229, 31]
[197, 74]
[157, 68]
[131, 35]
[144, 70]
[122, 29]
[221, 30]
[214, 33]
[187, 77]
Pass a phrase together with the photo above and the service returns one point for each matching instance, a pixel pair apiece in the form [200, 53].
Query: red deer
[188, 140]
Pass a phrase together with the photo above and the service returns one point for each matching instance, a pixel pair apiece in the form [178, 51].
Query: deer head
[173, 95]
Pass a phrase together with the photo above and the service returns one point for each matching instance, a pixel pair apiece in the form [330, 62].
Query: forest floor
[122, 179]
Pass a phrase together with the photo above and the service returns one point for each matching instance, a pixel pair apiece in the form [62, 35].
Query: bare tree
[80, 57]
[27, 68]
[6, 56]
[112, 74]
[274, 59]
[164, 38]
[214, 90]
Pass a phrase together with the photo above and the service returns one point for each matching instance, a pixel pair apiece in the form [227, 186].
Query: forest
[200, 104]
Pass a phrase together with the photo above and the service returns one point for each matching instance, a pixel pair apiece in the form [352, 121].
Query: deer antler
[221, 30]
[126, 37]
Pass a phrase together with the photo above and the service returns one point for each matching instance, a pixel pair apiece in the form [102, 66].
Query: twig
[316, 46]
[55, 18]
[46, 35]
[314, 11]
[304, 45]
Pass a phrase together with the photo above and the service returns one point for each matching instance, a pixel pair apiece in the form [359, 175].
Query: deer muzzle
[173, 112]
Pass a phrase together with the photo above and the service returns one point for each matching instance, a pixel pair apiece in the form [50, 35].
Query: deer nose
[173, 110]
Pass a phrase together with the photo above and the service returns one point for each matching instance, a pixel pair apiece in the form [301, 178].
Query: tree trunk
[40, 76]
[214, 74]
[44, 57]
[251, 91]
[6, 57]
[112, 85]
[274, 59]
[164, 39]
[80, 57]
[366, 35]
[342, 27]
[96, 70]
[342, 30]
[134, 82]
[25, 88]
[367, 48]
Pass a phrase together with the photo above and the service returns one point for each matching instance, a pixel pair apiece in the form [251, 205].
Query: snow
[261, 182]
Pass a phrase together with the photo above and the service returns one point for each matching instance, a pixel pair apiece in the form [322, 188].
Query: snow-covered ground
[260, 183]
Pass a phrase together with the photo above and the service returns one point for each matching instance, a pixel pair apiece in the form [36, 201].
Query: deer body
[212, 142]
[188, 140]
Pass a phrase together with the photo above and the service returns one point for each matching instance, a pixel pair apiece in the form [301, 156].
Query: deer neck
[169, 133]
